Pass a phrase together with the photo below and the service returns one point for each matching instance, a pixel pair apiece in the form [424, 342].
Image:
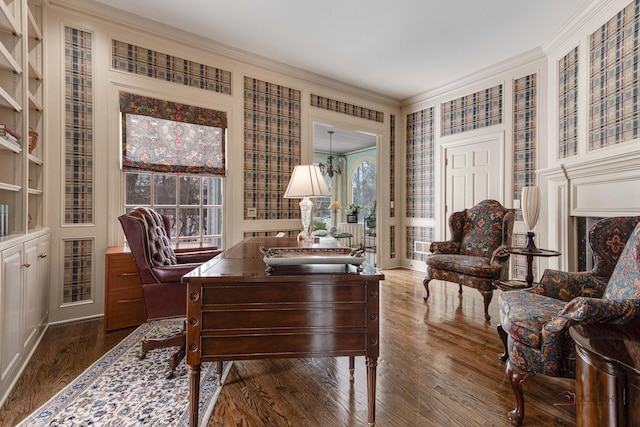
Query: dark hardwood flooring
[438, 367]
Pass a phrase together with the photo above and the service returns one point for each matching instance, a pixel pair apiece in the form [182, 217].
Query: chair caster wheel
[141, 355]
[168, 374]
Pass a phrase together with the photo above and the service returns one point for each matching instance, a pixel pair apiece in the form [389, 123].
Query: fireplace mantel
[601, 184]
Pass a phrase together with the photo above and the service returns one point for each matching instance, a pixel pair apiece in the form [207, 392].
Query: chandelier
[328, 169]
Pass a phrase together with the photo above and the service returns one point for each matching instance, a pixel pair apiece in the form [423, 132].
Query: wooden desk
[607, 375]
[236, 311]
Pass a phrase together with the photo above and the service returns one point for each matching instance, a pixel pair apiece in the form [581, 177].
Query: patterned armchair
[476, 255]
[534, 324]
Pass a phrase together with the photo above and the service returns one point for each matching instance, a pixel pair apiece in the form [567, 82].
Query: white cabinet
[36, 288]
[24, 301]
[11, 296]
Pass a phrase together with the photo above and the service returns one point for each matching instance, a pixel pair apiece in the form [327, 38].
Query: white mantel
[595, 186]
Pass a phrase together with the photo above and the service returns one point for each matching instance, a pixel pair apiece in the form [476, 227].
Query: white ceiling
[396, 48]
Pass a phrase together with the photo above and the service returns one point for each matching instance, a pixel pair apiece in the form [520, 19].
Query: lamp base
[529, 243]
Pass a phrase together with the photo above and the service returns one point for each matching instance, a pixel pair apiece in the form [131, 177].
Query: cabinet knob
[43, 255]
[26, 264]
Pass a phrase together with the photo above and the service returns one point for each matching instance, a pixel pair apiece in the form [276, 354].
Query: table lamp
[530, 204]
[306, 181]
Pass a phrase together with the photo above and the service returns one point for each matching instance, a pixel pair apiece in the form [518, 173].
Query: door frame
[453, 142]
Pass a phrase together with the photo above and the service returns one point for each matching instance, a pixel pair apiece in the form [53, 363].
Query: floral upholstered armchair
[476, 256]
[534, 324]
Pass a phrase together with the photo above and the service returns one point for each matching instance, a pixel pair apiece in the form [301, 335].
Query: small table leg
[352, 365]
[372, 364]
[529, 276]
[194, 394]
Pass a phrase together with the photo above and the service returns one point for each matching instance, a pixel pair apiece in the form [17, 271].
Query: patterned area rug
[121, 390]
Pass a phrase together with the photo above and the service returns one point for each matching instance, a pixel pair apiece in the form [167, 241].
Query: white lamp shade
[530, 204]
[306, 181]
[335, 205]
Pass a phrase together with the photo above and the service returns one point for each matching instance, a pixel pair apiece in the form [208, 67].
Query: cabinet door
[32, 293]
[44, 269]
[11, 310]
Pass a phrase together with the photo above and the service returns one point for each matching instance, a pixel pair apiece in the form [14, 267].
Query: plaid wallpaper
[419, 164]
[78, 267]
[524, 133]
[146, 62]
[271, 148]
[568, 105]
[346, 108]
[78, 168]
[478, 110]
[392, 164]
[392, 241]
[614, 110]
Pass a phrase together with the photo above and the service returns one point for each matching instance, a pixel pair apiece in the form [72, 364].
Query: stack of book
[9, 134]
[4, 219]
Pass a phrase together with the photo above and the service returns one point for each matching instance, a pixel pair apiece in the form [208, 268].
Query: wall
[106, 25]
[592, 182]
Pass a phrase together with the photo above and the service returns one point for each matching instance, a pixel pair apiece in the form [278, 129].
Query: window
[363, 184]
[173, 157]
[192, 202]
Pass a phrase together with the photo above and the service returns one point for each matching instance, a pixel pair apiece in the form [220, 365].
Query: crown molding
[112, 16]
[575, 24]
[519, 60]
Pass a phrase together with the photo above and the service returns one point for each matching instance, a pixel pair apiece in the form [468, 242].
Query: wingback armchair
[161, 268]
[534, 323]
[476, 255]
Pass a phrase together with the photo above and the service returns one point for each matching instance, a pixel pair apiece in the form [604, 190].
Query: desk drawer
[271, 345]
[282, 317]
[125, 308]
[291, 292]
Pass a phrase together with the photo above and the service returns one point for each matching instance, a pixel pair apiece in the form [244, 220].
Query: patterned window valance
[164, 136]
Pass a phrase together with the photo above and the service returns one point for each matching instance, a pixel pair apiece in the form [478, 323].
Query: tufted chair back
[156, 228]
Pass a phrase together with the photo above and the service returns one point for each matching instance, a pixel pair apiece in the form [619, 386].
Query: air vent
[421, 247]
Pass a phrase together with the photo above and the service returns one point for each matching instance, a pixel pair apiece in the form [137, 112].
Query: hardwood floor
[438, 366]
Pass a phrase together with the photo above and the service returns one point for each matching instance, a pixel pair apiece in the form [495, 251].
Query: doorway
[348, 158]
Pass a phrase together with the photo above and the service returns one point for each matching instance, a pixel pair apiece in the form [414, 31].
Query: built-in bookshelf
[21, 116]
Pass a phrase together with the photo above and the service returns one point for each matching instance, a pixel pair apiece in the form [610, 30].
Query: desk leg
[194, 394]
[372, 364]
[352, 369]
[529, 276]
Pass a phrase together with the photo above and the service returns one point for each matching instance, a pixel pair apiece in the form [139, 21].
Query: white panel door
[472, 174]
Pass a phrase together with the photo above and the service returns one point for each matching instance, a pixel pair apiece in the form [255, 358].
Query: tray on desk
[301, 256]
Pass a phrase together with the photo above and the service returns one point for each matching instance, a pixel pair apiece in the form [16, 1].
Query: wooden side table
[607, 374]
[530, 254]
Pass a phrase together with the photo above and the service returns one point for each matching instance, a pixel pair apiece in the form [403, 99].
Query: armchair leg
[517, 376]
[503, 336]
[487, 295]
[425, 283]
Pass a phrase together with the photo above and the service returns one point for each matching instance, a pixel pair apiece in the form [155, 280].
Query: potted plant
[352, 210]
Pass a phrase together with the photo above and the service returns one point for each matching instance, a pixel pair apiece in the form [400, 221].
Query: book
[10, 138]
[4, 128]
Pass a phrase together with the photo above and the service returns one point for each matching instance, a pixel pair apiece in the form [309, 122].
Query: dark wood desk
[237, 311]
[607, 375]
